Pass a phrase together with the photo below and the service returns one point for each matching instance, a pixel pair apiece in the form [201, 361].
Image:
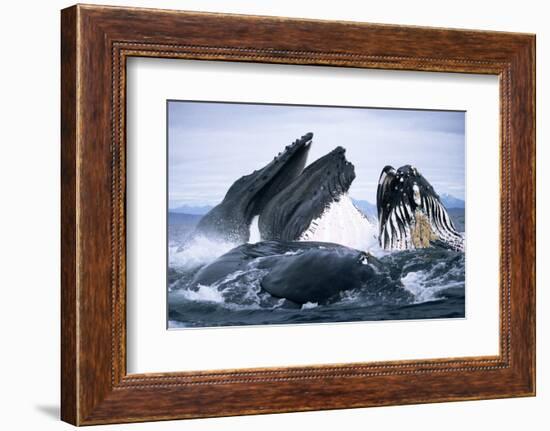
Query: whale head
[249, 195]
[290, 213]
[410, 213]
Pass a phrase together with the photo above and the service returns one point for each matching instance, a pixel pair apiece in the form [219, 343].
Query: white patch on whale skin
[416, 195]
[255, 235]
[342, 223]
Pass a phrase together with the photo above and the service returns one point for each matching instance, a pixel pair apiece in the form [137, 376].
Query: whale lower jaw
[420, 233]
[413, 241]
[342, 223]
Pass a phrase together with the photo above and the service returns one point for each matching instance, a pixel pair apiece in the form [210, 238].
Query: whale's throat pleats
[411, 215]
[342, 223]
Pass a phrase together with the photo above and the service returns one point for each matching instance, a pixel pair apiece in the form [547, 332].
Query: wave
[431, 283]
[176, 324]
[203, 293]
[199, 251]
[418, 276]
[239, 290]
[424, 289]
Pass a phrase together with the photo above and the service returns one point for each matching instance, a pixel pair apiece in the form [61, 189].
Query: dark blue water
[426, 284]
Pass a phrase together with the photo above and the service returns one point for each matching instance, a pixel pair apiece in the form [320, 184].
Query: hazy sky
[210, 145]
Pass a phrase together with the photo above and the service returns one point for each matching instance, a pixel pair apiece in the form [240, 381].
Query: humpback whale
[410, 213]
[247, 197]
[312, 242]
[315, 206]
[302, 272]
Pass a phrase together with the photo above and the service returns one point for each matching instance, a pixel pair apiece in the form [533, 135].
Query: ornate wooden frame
[95, 43]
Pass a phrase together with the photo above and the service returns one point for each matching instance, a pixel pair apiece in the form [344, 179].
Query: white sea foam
[349, 296]
[199, 251]
[239, 290]
[414, 283]
[343, 223]
[203, 294]
[175, 324]
[424, 286]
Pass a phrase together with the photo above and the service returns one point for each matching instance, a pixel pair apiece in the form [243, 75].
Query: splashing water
[427, 287]
[199, 251]
[255, 235]
[432, 279]
[203, 293]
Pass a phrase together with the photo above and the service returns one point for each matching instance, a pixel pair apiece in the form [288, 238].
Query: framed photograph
[263, 214]
[267, 240]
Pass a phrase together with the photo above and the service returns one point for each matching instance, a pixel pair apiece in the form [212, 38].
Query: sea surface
[428, 284]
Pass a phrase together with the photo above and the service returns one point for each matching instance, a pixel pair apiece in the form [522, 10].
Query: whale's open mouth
[287, 216]
[410, 213]
[249, 195]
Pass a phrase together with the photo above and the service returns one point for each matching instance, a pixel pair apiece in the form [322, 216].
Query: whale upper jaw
[287, 216]
[248, 195]
[264, 184]
[410, 213]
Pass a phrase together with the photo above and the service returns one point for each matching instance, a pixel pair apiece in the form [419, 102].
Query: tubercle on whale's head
[332, 173]
[252, 192]
[400, 187]
[296, 152]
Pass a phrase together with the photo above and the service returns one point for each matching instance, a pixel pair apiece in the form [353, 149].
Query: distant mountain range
[366, 207]
[370, 209]
[190, 209]
[451, 202]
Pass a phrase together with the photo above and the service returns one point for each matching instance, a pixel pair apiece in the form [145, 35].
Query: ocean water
[425, 284]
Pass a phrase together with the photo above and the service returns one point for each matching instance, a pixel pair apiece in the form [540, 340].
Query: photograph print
[290, 214]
